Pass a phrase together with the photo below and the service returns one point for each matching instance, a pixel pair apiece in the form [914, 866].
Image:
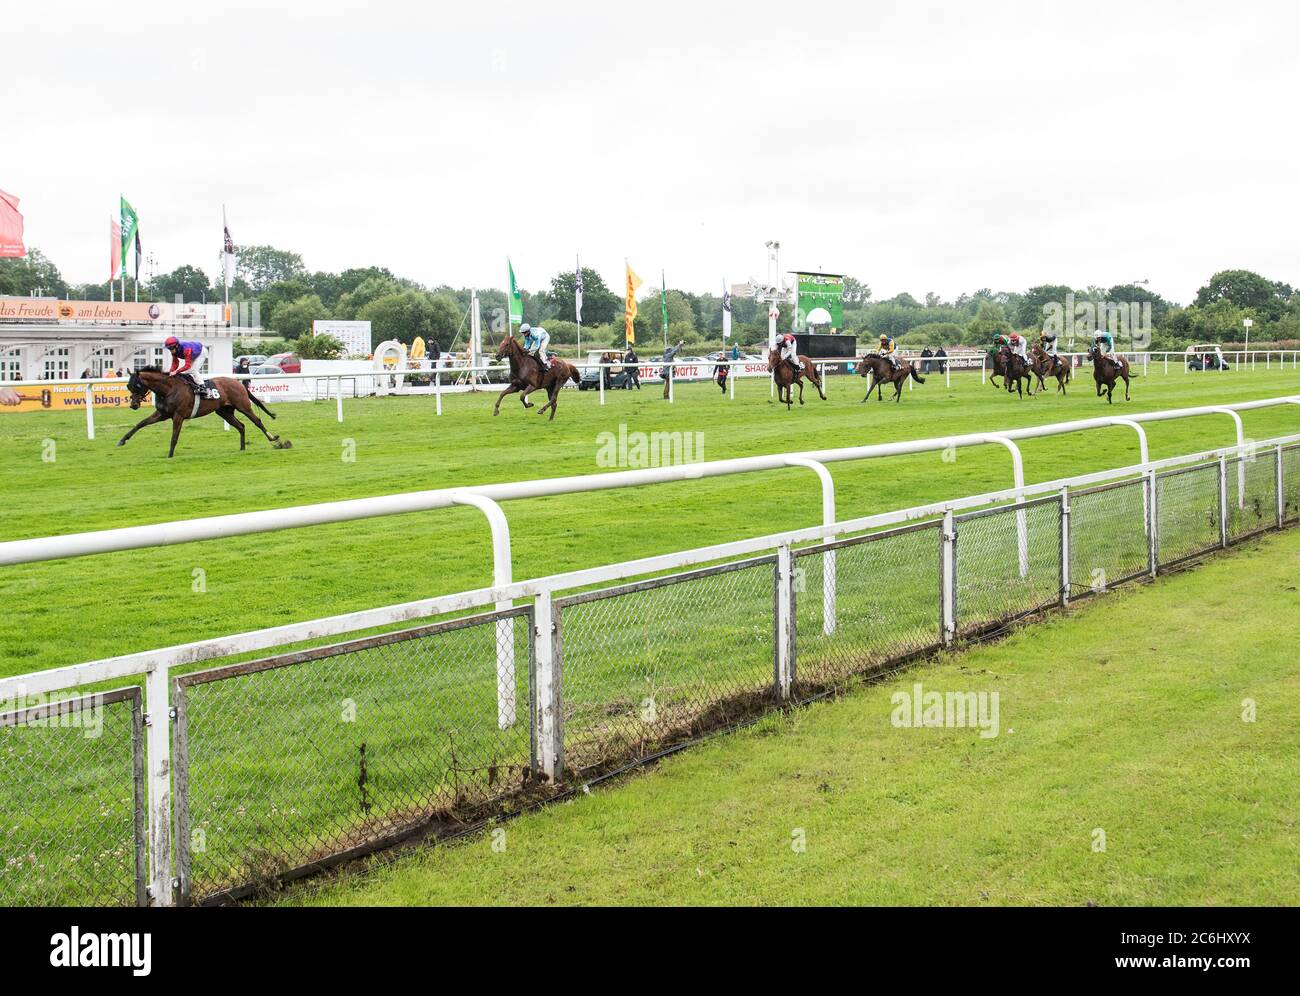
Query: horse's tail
[916, 376]
[257, 401]
[576, 377]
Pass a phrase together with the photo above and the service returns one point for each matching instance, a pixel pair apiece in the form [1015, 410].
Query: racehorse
[786, 374]
[999, 365]
[1017, 373]
[528, 375]
[1104, 371]
[173, 398]
[883, 372]
[1044, 363]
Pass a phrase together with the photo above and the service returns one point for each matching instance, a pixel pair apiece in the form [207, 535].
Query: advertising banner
[46, 309]
[819, 292]
[70, 397]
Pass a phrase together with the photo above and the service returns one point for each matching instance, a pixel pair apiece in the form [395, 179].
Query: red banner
[115, 253]
[11, 228]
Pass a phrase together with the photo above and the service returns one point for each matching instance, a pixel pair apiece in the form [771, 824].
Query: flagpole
[577, 272]
[225, 277]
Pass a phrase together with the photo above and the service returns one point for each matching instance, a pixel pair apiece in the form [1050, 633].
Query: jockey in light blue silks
[1105, 345]
[536, 340]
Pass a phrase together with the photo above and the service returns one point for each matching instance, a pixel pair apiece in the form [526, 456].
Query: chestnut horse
[1043, 363]
[786, 375]
[174, 399]
[528, 375]
[883, 372]
[1105, 371]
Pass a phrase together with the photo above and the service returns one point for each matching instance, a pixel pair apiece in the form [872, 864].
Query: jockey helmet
[171, 341]
[525, 329]
[884, 337]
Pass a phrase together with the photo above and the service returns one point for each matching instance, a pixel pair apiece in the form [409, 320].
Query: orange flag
[629, 312]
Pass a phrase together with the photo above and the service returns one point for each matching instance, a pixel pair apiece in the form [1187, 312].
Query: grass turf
[1123, 716]
[69, 611]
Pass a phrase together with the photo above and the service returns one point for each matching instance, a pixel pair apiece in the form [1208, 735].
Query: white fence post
[948, 579]
[600, 379]
[1281, 494]
[1065, 546]
[550, 746]
[437, 391]
[502, 571]
[828, 558]
[158, 777]
[338, 390]
[1223, 501]
[785, 632]
[1153, 525]
[90, 411]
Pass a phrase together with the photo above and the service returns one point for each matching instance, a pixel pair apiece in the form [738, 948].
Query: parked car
[615, 376]
[1206, 356]
[287, 362]
[254, 360]
[267, 369]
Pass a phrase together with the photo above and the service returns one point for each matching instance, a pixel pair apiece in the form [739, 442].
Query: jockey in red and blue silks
[184, 354]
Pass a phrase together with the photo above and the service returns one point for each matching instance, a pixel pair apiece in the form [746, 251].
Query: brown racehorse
[999, 365]
[1105, 370]
[527, 375]
[174, 399]
[1017, 374]
[786, 375]
[883, 372]
[1043, 364]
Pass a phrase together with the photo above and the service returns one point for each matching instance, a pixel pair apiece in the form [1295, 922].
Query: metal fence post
[1281, 493]
[1223, 501]
[785, 631]
[90, 411]
[948, 579]
[600, 381]
[548, 729]
[437, 391]
[158, 739]
[1153, 527]
[1065, 546]
[338, 391]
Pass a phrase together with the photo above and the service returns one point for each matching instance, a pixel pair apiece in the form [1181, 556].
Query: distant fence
[272, 768]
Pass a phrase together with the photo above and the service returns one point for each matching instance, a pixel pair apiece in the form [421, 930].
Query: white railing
[155, 666]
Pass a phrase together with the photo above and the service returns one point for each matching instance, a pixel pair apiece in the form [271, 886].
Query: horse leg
[248, 413]
[1126, 397]
[178, 420]
[155, 416]
[228, 414]
[511, 388]
[898, 390]
[800, 383]
[523, 394]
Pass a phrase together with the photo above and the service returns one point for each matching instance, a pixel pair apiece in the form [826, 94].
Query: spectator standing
[631, 366]
[670, 354]
[942, 360]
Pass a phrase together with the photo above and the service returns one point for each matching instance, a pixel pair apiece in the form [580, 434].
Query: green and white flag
[516, 298]
[130, 232]
[663, 303]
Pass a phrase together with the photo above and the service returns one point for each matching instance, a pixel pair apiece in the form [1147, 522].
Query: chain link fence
[1109, 541]
[883, 603]
[72, 780]
[1291, 483]
[1007, 562]
[643, 665]
[1188, 513]
[1252, 494]
[290, 762]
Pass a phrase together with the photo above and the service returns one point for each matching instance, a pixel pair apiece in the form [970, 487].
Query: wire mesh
[1109, 541]
[1007, 562]
[647, 664]
[1252, 494]
[1187, 513]
[304, 758]
[72, 781]
[1291, 483]
[885, 603]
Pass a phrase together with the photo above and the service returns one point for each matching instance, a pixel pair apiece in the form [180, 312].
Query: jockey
[535, 342]
[999, 341]
[1018, 346]
[1105, 344]
[788, 347]
[1048, 342]
[184, 356]
[887, 350]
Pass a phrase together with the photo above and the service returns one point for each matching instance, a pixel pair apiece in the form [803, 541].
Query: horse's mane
[153, 369]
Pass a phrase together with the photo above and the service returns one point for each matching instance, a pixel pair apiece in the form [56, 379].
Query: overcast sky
[917, 146]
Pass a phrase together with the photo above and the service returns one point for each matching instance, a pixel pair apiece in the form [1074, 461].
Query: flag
[629, 310]
[663, 303]
[577, 289]
[11, 228]
[130, 230]
[516, 299]
[726, 311]
[227, 251]
[115, 250]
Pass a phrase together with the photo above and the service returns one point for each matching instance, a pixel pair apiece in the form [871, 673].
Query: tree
[856, 293]
[294, 319]
[35, 272]
[186, 282]
[262, 266]
[370, 289]
[1246, 289]
[989, 320]
[319, 347]
[1030, 311]
[599, 303]
[405, 314]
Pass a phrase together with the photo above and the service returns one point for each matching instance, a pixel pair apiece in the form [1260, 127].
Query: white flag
[227, 252]
[726, 311]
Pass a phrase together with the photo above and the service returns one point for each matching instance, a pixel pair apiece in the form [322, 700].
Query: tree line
[290, 298]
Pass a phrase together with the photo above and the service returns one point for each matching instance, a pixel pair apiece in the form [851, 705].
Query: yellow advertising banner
[64, 397]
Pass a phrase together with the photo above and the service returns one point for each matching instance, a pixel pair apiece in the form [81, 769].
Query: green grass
[69, 611]
[1124, 715]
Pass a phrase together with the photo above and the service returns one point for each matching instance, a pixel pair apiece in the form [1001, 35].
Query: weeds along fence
[237, 773]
